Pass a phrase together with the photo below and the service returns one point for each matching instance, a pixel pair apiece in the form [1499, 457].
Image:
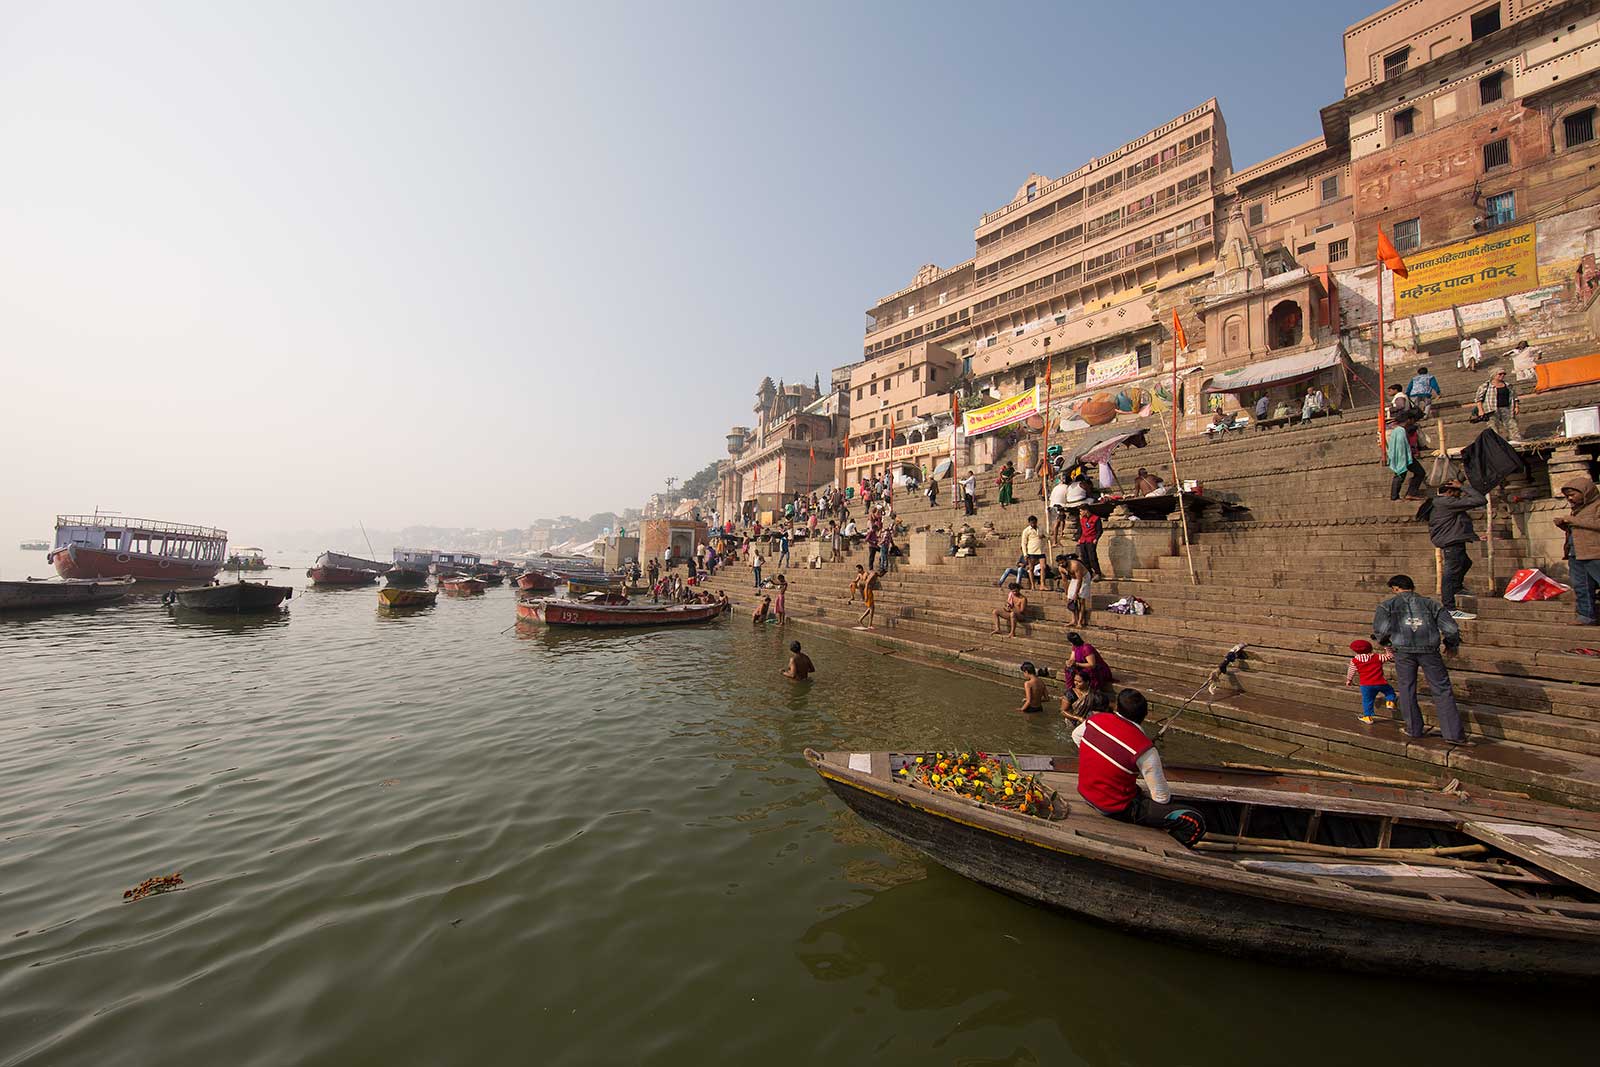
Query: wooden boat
[247, 559]
[341, 576]
[537, 581]
[405, 577]
[237, 597]
[490, 576]
[463, 584]
[55, 593]
[553, 612]
[577, 587]
[116, 546]
[1295, 866]
[400, 597]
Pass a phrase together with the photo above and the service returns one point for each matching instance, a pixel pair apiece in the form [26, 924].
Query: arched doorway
[1285, 326]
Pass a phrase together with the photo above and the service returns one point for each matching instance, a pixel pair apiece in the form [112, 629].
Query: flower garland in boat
[983, 776]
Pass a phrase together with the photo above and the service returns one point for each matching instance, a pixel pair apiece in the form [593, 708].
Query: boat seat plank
[1571, 854]
[1364, 876]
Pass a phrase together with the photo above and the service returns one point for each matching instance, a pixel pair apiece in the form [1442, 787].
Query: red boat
[553, 612]
[115, 546]
[466, 584]
[538, 581]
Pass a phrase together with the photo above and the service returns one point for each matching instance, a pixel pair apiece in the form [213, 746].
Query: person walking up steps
[1415, 626]
[869, 591]
[1450, 530]
[1366, 667]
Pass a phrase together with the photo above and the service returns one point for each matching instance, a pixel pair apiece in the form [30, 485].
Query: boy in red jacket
[1366, 667]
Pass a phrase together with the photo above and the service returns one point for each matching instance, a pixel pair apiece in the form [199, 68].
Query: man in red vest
[1113, 754]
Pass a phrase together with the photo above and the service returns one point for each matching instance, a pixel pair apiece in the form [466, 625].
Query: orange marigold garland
[983, 776]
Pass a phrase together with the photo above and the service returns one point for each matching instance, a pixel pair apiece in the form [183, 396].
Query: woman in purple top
[1087, 659]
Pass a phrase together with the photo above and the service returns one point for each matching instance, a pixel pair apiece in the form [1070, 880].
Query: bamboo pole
[1339, 850]
[1177, 485]
[1346, 776]
[1438, 554]
[1489, 521]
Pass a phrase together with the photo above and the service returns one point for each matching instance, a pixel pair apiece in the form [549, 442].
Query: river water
[420, 839]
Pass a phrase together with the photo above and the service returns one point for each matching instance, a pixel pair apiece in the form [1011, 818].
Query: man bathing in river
[869, 589]
[1034, 691]
[800, 665]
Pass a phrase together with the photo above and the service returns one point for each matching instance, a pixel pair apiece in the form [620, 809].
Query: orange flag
[1389, 257]
[1177, 330]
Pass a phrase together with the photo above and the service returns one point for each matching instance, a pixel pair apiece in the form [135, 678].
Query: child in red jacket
[1366, 667]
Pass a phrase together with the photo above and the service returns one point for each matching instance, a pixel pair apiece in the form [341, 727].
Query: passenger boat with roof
[116, 546]
[1297, 866]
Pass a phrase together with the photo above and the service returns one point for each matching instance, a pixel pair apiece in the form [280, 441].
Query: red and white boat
[336, 568]
[554, 612]
[463, 584]
[116, 546]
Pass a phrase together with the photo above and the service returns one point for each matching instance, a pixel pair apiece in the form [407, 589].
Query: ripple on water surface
[419, 839]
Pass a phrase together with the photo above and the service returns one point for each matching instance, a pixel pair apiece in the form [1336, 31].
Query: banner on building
[1002, 413]
[1485, 268]
[1113, 369]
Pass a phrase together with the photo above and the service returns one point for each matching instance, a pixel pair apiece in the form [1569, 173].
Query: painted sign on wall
[1113, 369]
[1485, 268]
[1002, 413]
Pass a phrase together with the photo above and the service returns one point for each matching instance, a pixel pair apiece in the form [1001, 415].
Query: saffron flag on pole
[1177, 331]
[1389, 257]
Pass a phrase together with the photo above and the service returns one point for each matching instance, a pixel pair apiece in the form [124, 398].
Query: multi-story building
[791, 450]
[1462, 118]
[905, 390]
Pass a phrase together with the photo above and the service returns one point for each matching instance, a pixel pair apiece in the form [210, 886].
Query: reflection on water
[426, 837]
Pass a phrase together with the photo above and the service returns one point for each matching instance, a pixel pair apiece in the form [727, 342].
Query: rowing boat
[402, 597]
[1294, 867]
[237, 597]
[555, 612]
[463, 584]
[65, 592]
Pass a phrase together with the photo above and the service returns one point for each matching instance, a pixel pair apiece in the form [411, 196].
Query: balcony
[951, 302]
[1154, 172]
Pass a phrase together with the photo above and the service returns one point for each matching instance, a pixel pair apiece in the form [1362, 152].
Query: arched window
[1286, 325]
[1233, 334]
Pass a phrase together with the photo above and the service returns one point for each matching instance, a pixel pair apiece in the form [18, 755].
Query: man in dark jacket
[1582, 528]
[1414, 627]
[1450, 530]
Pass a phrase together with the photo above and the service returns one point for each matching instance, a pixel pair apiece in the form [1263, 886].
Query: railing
[1145, 175]
[1154, 251]
[1151, 212]
[879, 325]
[122, 522]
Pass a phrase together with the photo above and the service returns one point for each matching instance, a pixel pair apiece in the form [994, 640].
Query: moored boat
[577, 587]
[56, 593]
[247, 559]
[464, 584]
[537, 581]
[35, 546]
[410, 568]
[116, 546]
[1294, 867]
[405, 577]
[336, 568]
[401, 597]
[237, 597]
[551, 611]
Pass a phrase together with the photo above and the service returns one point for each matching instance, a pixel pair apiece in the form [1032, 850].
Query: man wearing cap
[1582, 528]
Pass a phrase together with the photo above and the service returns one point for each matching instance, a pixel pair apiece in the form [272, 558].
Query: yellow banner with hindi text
[1485, 268]
[1002, 412]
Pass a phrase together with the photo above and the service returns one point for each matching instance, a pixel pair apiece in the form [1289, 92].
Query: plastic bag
[1534, 585]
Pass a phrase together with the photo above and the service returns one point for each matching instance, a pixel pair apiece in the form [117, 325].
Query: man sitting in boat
[1113, 754]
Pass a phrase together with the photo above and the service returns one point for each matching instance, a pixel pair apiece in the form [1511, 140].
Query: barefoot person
[869, 589]
[1034, 691]
[1080, 586]
[1016, 604]
[800, 666]
[857, 582]
[760, 614]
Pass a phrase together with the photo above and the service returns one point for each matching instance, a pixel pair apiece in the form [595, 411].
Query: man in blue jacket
[1414, 627]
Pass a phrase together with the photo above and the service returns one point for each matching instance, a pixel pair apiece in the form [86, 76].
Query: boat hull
[341, 576]
[78, 561]
[1263, 924]
[537, 582]
[393, 597]
[463, 586]
[30, 595]
[234, 597]
[572, 613]
[403, 578]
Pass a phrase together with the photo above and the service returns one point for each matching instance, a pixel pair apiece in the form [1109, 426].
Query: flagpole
[1048, 367]
[1383, 394]
[1172, 448]
[955, 421]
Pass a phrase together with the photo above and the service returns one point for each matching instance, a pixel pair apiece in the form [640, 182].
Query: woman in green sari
[1008, 475]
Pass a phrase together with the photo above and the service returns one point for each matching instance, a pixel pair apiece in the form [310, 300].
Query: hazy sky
[289, 265]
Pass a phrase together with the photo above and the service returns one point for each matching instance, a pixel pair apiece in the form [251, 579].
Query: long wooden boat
[490, 576]
[237, 597]
[405, 577]
[537, 581]
[117, 546]
[1294, 867]
[577, 587]
[47, 593]
[553, 612]
[341, 576]
[401, 597]
[463, 584]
